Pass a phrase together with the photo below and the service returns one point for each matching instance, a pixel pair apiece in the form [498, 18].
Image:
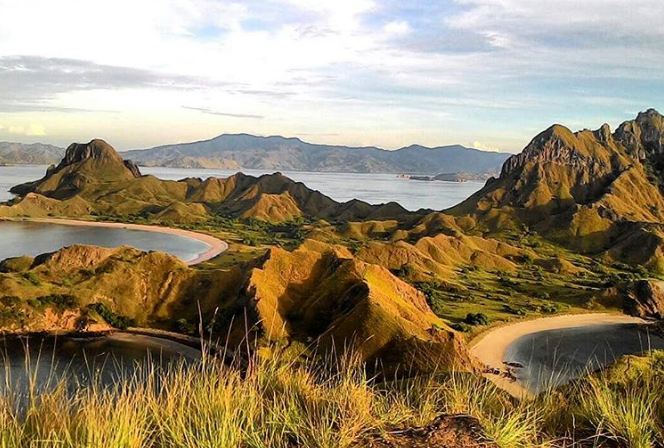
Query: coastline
[159, 340]
[162, 343]
[490, 347]
[215, 245]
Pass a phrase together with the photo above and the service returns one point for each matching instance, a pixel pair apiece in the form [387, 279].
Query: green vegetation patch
[112, 318]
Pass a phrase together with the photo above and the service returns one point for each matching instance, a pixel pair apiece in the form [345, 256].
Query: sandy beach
[157, 343]
[215, 245]
[490, 347]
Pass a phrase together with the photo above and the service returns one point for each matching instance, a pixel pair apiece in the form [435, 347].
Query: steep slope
[35, 153]
[278, 153]
[93, 179]
[148, 288]
[323, 292]
[594, 191]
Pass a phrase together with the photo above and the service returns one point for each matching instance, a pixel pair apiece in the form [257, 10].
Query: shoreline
[490, 347]
[215, 245]
[159, 340]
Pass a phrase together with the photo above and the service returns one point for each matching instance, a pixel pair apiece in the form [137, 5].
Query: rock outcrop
[644, 298]
[83, 166]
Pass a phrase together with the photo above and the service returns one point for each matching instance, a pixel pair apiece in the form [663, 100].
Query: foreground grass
[279, 403]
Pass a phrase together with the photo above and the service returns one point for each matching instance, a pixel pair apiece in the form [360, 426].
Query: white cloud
[35, 130]
[597, 20]
[332, 67]
[484, 147]
[398, 27]
[29, 130]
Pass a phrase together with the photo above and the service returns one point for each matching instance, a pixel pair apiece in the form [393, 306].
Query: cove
[548, 352]
[32, 238]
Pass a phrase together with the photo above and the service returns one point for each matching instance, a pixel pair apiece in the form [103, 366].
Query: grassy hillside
[93, 179]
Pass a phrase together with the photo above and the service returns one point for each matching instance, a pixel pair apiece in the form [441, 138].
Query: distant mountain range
[237, 151]
[243, 151]
[36, 153]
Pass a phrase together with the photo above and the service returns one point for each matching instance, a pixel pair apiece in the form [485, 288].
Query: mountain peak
[83, 163]
[643, 137]
[556, 143]
[97, 150]
[649, 113]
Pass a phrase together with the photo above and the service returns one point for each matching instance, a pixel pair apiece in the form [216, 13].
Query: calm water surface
[29, 238]
[554, 357]
[372, 188]
[14, 175]
[104, 359]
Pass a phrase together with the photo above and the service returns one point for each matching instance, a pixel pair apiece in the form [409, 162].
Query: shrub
[185, 327]
[519, 311]
[112, 318]
[476, 319]
[461, 326]
[32, 278]
[58, 301]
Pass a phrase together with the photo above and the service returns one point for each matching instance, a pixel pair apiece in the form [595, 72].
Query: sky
[484, 73]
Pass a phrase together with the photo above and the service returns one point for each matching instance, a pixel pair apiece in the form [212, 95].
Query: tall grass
[631, 413]
[274, 402]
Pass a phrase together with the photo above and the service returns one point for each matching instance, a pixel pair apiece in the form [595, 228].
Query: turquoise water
[27, 238]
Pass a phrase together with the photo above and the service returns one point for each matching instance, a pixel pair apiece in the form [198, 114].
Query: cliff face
[98, 151]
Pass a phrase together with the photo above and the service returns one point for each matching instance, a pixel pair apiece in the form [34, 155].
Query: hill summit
[83, 164]
[592, 190]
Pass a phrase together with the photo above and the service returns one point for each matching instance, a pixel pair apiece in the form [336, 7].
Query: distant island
[454, 177]
[244, 151]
